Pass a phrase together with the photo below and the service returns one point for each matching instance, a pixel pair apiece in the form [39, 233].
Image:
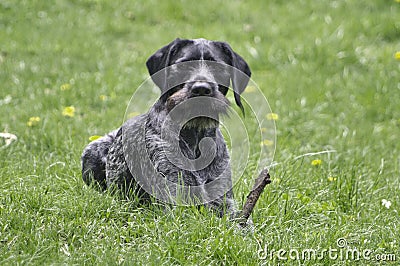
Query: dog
[177, 145]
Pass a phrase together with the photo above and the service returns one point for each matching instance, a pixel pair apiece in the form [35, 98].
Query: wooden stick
[259, 185]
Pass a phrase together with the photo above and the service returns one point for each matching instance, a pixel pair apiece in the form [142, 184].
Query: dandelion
[94, 137]
[316, 162]
[103, 97]
[33, 121]
[272, 116]
[397, 54]
[386, 203]
[331, 178]
[267, 142]
[65, 87]
[69, 111]
[250, 89]
[133, 114]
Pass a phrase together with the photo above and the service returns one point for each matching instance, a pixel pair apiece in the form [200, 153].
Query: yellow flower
[65, 87]
[33, 121]
[272, 116]
[316, 162]
[94, 137]
[397, 54]
[398, 1]
[267, 142]
[331, 178]
[103, 97]
[133, 114]
[69, 111]
[250, 89]
[263, 129]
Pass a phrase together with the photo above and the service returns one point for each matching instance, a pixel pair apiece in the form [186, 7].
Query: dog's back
[94, 159]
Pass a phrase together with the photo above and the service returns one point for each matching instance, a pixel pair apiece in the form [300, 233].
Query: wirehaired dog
[177, 145]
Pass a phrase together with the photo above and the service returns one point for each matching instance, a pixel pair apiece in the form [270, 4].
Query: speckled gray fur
[140, 146]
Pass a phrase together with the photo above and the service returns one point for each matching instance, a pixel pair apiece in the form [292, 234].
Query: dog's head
[186, 69]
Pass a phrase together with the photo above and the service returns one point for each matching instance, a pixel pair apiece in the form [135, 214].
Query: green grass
[326, 67]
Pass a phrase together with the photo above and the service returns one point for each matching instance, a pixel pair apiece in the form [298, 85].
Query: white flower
[8, 137]
[386, 203]
[6, 100]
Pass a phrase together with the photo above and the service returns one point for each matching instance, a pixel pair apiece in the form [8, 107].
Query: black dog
[177, 145]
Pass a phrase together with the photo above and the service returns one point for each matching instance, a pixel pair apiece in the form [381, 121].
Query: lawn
[328, 69]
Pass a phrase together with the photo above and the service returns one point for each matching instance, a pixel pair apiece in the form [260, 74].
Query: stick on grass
[262, 180]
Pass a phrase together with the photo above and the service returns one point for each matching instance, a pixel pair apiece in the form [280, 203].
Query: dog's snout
[201, 89]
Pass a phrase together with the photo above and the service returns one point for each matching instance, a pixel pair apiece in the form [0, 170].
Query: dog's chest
[190, 159]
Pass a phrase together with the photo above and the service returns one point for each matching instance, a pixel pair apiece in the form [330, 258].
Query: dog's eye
[208, 58]
[182, 60]
[223, 89]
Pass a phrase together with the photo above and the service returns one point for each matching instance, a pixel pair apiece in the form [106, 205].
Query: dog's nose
[201, 89]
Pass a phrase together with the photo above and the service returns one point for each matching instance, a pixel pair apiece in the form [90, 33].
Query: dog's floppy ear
[240, 73]
[162, 59]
